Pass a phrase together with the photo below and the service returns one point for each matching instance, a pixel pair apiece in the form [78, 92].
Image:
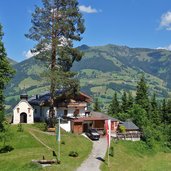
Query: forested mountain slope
[102, 70]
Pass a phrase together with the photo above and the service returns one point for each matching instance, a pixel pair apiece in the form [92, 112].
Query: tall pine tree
[6, 73]
[164, 111]
[55, 26]
[154, 114]
[168, 112]
[130, 100]
[114, 107]
[96, 106]
[124, 102]
[142, 94]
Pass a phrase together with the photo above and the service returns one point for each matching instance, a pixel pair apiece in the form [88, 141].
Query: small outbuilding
[130, 127]
[23, 111]
[132, 132]
[93, 120]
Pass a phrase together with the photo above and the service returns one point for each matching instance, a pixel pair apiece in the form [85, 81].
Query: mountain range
[102, 71]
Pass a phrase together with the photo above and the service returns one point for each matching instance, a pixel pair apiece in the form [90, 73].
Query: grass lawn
[133, 156]
[26, 148]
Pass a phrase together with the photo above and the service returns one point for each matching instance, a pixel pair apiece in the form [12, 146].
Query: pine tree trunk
[53, 65]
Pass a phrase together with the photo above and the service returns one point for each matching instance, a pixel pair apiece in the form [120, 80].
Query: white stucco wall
[60, 111]
[22, 107]
[43, 112]
[66, 126]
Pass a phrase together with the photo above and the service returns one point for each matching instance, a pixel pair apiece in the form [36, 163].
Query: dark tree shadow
[99, 158]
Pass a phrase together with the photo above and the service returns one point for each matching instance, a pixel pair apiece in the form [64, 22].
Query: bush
[6, 149]
[111, 151]
[51, 122]
[20, 128]
[63, 142]
[73, 154]
[122, 129]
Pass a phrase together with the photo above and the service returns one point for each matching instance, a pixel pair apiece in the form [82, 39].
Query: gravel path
[92, 163]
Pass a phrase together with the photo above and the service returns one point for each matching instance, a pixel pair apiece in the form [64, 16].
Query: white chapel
[23, 111]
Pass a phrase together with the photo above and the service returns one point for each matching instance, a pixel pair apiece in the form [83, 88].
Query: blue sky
[134, 23]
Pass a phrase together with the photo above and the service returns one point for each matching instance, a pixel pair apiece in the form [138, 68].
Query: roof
[102, 115]
[129, 125]
[87, 119]
[24, 93]
[45, 97]
[22, 101]
[95, 116]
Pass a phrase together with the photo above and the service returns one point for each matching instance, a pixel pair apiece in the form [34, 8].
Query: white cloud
[87, 9]
[166, 48]
[166, 20]
[28, 54]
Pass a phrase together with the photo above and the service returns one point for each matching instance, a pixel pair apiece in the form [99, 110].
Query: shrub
[111, 151]
[63, 142]
[122, 129]
[6, 149]
[73, 154]
[20, 128]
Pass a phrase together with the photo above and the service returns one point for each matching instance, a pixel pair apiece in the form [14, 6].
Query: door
[23, 118]
[85, 127]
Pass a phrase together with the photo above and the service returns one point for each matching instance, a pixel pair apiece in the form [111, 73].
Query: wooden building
[94, 120]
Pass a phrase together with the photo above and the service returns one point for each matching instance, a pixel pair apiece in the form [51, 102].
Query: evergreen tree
[55, 26]
[114, 107]
[154, 114]
[130, 100]
[142, 94]
[167, 115]
[6, 73]
[96, 106]
[164, 111]
[124, 102]
[139, 116]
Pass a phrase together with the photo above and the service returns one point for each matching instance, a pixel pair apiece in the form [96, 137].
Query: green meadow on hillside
[128, 156]
[27, 148]
[134, 156]
[102, 71]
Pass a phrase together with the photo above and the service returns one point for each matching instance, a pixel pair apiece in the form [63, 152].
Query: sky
[134, 23]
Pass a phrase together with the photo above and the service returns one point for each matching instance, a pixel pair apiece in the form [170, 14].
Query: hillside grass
[135, 156]
[27, 148]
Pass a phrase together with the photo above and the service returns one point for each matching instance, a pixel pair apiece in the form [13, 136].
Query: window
[18, 110]
[28, 110]
[76, 112]
[65, 112]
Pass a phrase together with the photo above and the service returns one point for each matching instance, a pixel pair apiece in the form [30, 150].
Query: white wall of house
[66, 126]
[70, 111]
[23, 107]
[43, 112]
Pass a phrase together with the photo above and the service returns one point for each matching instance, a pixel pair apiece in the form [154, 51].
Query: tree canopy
[6, 73]
[55, 26]
[151, 115]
